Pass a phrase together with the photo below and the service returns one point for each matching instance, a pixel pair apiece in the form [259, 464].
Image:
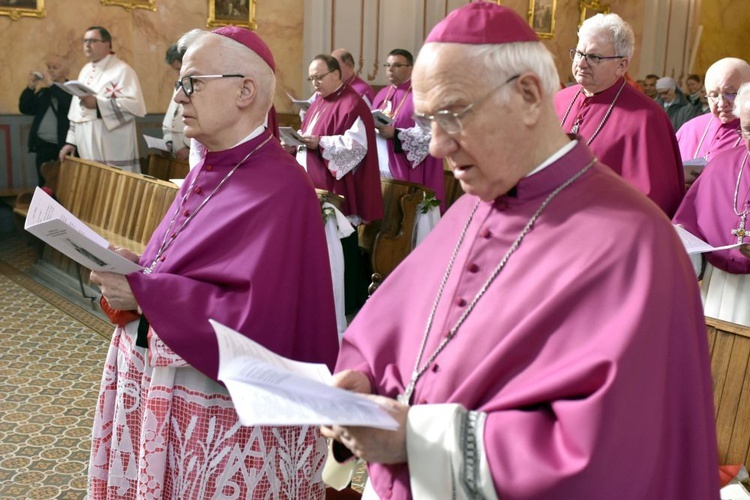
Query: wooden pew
[165, 167]
[389, 240]
[123, 207]
[729, 346]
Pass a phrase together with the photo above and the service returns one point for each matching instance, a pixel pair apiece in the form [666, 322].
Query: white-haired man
[674, 102]
[164, 427]
[707, 135]
[716, 209]
[537, 357]
[626, 130]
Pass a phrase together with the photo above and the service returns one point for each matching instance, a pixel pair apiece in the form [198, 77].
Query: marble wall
[140, 37]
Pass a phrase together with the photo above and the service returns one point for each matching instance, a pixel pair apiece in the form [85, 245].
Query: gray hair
[742, 95]
[238, 58]
[510, 59]
[614, 27]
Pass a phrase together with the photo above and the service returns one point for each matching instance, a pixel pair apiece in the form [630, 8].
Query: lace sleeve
[416, 143]
[344, 152]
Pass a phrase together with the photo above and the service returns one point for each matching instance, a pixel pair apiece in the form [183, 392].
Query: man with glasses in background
[624, 128]
[546, 340]
[706, 135]
[403, 147]
[716, 209]
[340, 155]
[102, 125]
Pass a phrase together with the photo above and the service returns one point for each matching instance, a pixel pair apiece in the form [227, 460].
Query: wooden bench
[50, 171]
[729, 345]
[165, 167]
[123, 207]
[389, 240]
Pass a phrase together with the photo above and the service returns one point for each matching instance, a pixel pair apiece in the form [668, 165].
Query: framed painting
[231, 12]
[129, 5]
[592, 8]
[16, 9]
[542, 17]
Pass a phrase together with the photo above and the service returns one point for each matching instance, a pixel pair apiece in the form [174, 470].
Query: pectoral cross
[576, 125]
[740, 232]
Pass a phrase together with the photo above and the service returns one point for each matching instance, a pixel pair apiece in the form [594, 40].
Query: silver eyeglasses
[450, 121]
[395, 65]
[188, 82]
[727, 96]
[592, 59]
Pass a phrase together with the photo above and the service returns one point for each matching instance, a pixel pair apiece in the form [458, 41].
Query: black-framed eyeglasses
[90, 41]
[318, 78]
[395, 65]
[187, 83]
[450, 121]
[728, 97]
[592, 59]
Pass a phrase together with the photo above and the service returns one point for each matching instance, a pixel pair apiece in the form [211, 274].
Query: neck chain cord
[169, 238]
[741, 231]
[405, 398]
[400, 105]
[606, 115]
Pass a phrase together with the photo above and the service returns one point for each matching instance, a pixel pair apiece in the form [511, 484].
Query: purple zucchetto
[250, 40]
[482, 23]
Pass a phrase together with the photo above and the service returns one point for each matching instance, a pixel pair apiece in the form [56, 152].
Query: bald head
[723, 79]
[346, 62]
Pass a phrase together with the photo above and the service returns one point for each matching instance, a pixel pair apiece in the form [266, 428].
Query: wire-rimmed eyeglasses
[188, 82]
[728, 97]
[318, 78]
[450, 121]
[591, 59]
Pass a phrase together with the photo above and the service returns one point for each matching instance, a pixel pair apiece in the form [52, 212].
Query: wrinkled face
[323, 80]
[649, 87]
[693, 86]
[398, 69]
[487, 157]
[211, 111]
[598, 77]
[57, 71]
[720, 88]
[94, 46]
[667, 95]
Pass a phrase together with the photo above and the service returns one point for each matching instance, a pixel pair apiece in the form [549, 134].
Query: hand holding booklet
[381, 119]
[63, 231]
[290, 137]
[268, 389]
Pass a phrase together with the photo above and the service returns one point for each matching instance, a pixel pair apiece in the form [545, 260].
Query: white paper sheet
[53, 224]
[76, 88]
[693, 244]
[303, 104]
[268, 389]
[155, 143]
[290, 137]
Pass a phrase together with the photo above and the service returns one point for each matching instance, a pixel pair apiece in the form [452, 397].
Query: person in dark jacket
[49, 105]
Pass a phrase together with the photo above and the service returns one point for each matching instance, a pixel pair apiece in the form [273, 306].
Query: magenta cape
[707, 211]
[637, 140]
[588, 352]
[428, 173]
[254, 259]
[361, 87]
[718, 136]
[360, 187]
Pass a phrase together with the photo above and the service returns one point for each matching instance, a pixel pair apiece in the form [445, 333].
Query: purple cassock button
[186, 213]
[460, 302]
[473, 268]
[209, 168]
[485, 233]
[197, 190]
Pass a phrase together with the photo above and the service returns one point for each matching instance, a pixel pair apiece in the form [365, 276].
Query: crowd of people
[547, 339]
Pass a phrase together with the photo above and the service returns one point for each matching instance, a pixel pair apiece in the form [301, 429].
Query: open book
[303, 104]
[381, 118]
[155, 143]
[693, 168]
[63, 231]
[268, 389]
[76, 88]
[693, 244]
[290, 137]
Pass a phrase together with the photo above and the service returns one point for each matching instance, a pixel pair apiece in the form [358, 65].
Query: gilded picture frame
[231, 12]
[592, 8]
[129, 5]
[542, 17]
[22, 8]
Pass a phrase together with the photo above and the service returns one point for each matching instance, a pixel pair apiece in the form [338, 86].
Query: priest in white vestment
[102, 126]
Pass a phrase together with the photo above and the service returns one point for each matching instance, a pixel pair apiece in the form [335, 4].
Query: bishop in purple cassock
[243, 243]
[626, 130]
[546, 340]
